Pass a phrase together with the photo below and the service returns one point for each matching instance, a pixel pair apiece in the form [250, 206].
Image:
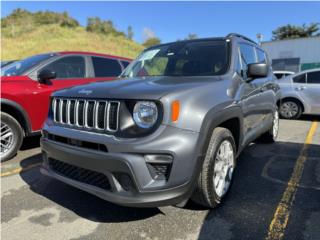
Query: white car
[300, 94]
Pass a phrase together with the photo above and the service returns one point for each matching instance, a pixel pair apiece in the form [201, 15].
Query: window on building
[286, 64]
[105, 67]
[313, 77]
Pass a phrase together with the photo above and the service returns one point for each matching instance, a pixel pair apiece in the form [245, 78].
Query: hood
[135, 88]
[13, 78]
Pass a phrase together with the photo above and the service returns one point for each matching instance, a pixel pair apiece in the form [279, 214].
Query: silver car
[300, 94]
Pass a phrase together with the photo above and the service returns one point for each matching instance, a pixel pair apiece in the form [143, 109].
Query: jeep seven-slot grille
[90, 114]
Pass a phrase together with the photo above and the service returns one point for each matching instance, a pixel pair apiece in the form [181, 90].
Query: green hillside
[23, 35]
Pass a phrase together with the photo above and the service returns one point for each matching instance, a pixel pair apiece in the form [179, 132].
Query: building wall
[294, 54]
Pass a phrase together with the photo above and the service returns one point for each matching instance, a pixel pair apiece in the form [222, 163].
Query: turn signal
[175, 110]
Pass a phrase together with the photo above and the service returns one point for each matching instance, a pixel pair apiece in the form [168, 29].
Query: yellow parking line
[281, 216]
[19, 170]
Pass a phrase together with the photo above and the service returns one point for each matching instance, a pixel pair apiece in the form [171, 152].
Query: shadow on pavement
[260, 179]
[248, 208]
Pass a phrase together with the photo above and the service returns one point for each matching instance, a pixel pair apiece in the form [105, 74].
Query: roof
[93, 54]
[231, 35]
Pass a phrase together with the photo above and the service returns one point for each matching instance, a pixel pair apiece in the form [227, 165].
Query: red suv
[26, 86]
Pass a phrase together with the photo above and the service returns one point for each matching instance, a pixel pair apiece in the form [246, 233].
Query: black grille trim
[80, 174]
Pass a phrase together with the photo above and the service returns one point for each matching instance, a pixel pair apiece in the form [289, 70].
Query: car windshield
[20, 67]
[186, 58]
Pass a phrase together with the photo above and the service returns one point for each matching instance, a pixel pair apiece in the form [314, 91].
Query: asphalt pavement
[257, 206]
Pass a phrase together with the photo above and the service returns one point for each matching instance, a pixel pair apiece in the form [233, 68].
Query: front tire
[217, 169]
[271, 135]
[11, 137]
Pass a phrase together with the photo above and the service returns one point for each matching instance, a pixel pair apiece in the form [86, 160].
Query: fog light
[159, 166]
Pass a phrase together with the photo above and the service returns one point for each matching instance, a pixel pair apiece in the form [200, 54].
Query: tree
[151, 42]
[191, 36]
[292, 31]
[130, 33]
[97, 25]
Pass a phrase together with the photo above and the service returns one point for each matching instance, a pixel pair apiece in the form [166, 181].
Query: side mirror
[46, 75]
[257, 70]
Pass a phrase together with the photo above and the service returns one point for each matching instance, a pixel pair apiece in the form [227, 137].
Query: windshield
[19, 67]
[196, 58]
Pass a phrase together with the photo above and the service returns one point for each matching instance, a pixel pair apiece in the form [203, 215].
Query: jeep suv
[170, 129]
[26, 87]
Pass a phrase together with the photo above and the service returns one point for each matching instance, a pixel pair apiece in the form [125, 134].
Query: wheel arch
[16, 111]
[292, 99]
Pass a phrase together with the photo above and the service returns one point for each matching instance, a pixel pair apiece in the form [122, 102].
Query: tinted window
[68, 67]
[261, 56]
[125, 63]
[278, 75]
[300, 78]
[314, 77]
[190, 58]
[247, 54]
[20, 67]
[104, 67]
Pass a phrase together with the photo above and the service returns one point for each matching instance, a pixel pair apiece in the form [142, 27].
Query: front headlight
[145, 114]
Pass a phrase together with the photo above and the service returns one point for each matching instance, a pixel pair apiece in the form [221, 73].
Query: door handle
[301, 88]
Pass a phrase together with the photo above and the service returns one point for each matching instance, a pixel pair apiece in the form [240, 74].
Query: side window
[261, 56]
[313, 77]
[68, 67]
[247, 54]
[300, 78]
[104, 67]
[125, 63]
[238, 64]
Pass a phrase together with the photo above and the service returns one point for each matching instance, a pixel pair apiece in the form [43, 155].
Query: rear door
[310, 91]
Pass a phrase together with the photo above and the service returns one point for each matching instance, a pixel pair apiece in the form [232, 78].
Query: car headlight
[145, 114]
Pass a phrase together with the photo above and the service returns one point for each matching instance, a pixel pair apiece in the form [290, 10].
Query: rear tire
[209, 191]
[290, 109]
[11, 137]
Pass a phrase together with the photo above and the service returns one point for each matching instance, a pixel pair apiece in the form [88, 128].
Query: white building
[294, 54]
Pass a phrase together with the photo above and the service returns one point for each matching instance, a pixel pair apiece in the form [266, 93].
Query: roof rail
[241, 36]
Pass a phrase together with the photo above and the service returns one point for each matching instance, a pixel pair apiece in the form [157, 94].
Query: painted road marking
[281, 216]
[19, 170]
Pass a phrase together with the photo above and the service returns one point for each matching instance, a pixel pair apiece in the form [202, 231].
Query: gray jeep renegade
[169, 129]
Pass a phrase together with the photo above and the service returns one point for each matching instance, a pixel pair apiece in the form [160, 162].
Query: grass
[51, 38]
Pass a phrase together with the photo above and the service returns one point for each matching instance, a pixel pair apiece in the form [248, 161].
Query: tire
[10, 125]
[206, 193]
[290, 109]
[271, 135]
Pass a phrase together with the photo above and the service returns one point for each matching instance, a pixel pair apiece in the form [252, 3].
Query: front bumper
[127, 158]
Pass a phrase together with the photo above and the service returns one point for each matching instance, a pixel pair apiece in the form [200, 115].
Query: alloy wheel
[7, 139]
[223, 169]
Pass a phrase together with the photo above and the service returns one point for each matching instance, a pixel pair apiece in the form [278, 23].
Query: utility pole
[260, 38]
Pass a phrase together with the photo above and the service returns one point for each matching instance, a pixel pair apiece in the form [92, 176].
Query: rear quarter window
[105, 67]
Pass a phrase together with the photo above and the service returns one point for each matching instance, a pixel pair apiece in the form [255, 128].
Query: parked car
[5, 63]
[282, 74]
[170, 129]
[26, 86]
[300, 94]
